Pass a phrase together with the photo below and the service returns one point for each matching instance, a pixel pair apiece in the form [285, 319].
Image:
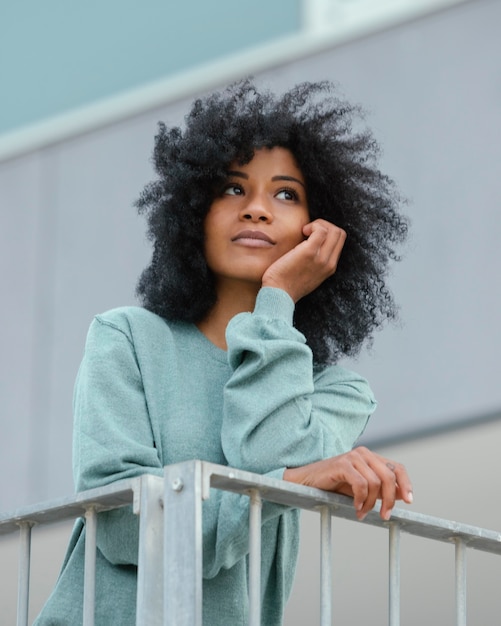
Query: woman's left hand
[361, 474]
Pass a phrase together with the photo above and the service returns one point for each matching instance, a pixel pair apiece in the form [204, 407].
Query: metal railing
[173, 594]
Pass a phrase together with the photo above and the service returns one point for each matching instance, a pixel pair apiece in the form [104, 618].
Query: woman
[272, 231]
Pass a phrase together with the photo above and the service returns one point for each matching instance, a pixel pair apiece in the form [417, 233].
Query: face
[257, 216]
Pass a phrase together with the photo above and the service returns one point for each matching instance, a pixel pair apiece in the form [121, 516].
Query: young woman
[272, 231]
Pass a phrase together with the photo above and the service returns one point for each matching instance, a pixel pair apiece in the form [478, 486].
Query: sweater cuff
[278, 473]
[274, 303]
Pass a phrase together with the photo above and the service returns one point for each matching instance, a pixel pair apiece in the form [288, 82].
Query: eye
[288, 194]
[232, 189]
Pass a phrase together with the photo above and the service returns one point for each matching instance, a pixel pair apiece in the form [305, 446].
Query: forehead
[270, 161]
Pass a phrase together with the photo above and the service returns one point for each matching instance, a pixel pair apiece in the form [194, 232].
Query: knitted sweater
[150, 393]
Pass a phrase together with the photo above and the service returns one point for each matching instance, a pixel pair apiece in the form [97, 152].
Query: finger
[333, 245]
[359, 487]
[327, 241]
[315, 233]
[388, 492]
[403, 482]
[321, 226]
[364, 481]
[395, 483]
[379, 485]
[385, 486]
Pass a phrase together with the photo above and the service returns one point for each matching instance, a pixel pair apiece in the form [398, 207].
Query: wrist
[288, 290]
[293, 475]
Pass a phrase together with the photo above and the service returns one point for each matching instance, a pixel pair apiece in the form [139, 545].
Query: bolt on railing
[169, 589]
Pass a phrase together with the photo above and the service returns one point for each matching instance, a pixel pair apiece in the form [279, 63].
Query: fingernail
[410, 497]
[387, 515]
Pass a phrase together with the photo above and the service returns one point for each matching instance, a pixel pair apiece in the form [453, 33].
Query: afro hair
[344, 186]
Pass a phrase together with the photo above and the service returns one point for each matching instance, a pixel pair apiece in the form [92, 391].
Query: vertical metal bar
[90, 566]
[460, 582]
[255, 558]
[149, 611]
[325, 567]
[394, 574]
[183, 544]
[23, 591]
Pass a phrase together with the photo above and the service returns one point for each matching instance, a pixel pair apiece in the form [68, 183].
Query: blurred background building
[83, 87]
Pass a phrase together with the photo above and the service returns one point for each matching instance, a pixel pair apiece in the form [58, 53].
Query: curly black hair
[344, 186]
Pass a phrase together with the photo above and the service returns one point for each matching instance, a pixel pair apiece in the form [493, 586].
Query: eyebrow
[274, 178]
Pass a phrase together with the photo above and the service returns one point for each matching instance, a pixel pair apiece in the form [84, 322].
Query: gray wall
[71, 244]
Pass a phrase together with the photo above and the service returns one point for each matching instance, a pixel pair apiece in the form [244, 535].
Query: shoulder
[130, 322]
[127, 317]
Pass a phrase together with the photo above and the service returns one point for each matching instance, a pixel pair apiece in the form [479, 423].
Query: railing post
[89, 592]
[149, 610]
[255, 558]
[460, 553]
[325, 567]
[183, 544]
[394, 574]
[23, 592]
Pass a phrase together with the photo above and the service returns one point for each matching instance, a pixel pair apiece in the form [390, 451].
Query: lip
[253, 238]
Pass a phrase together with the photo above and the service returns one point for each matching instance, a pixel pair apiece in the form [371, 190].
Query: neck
[232, 298]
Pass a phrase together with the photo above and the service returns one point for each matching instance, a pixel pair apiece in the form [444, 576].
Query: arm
[278, 411]
[114, 438]
[329, 413]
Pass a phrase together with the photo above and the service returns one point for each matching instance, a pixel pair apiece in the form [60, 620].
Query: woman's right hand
[361, 474]
[305, 267]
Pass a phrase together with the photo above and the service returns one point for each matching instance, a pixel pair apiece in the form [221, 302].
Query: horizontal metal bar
[298, 496]
[119, 493]
[274, 490]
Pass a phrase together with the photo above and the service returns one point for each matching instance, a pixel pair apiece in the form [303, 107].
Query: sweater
[150, 393]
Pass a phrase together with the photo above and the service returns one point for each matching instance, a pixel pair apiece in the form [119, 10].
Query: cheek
[296, 233]
[213, 243]
[211, 228]
[210, 249]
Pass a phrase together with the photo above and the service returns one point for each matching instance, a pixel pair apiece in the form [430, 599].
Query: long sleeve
[143, 400]
[113, 436]
[278, 410]
[116, 437]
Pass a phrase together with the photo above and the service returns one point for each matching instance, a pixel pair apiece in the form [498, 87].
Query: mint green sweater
[150, 393]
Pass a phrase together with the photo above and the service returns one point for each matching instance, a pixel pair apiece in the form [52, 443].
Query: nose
[256, 211]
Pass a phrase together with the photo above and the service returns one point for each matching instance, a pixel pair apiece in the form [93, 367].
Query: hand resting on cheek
[305, 267]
